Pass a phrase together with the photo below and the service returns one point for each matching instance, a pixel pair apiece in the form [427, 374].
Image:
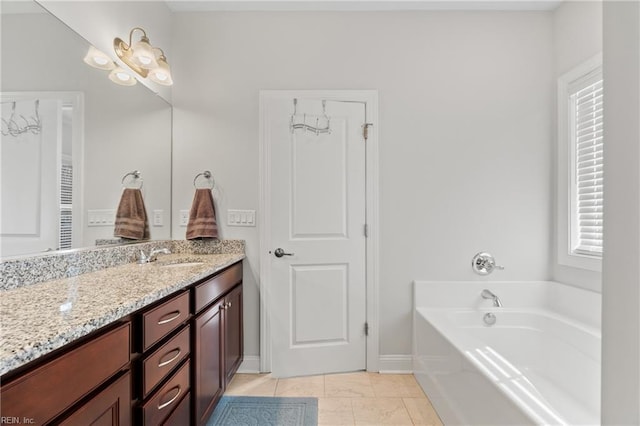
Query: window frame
[566, 167]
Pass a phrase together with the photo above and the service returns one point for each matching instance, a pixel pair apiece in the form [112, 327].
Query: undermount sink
[180, 265]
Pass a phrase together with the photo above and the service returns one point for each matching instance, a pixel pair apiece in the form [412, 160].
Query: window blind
[588, 167]
[66, 207]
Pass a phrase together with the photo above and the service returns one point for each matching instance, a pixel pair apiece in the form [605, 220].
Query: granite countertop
[39, 318]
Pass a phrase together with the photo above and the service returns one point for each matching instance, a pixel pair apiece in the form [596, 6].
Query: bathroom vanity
[160, 343]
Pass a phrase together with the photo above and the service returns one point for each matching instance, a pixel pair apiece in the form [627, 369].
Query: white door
[317, 288]
[30, 185]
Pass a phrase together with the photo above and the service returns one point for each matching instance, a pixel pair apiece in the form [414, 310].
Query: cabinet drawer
[50, 389]
[181, 416]
[212, 289]
[159, 321]
[167, 398]
[157, 365]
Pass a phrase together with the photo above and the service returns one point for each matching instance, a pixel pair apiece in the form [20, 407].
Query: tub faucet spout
[488, 294]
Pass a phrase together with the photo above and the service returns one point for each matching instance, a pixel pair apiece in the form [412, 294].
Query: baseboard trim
[388, 364]
[396, 364]
[250, 365]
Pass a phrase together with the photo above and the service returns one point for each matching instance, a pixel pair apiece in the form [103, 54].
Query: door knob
[279, 253]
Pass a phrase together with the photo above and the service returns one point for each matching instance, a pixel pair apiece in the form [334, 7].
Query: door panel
[317, 215]
[319, 184]
[208, 372]
[233, 333]
[111, 407]
[317, 290]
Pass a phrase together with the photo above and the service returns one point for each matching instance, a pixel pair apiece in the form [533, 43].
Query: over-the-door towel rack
[295, 123]
[11, 127]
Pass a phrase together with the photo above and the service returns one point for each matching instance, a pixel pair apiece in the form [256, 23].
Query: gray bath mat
[265, 411]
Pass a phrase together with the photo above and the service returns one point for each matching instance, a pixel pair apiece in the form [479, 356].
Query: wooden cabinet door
[208, 374]
[112, 407]
[233, 335]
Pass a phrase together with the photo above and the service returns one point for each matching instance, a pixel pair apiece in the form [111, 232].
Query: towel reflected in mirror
[131, 216]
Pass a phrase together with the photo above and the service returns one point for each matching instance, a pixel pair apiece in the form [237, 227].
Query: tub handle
[483, 264]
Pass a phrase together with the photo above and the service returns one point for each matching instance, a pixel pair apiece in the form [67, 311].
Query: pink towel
[202, 218]
[131, 216]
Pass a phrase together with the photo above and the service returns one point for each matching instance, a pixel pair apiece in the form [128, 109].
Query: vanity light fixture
[98, 59]
[145, 59]
[119, 76]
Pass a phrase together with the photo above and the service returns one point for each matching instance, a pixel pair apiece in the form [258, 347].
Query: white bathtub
[539, 364]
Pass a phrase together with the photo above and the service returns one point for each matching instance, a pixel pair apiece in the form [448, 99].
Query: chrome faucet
[153, 254]
[484, 264]
[488, 294]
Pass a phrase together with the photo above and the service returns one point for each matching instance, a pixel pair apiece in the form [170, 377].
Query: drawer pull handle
[161, 406]
[176, 314]
[169, 361]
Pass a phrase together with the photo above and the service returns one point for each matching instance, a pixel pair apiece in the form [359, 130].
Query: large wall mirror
[61, 184]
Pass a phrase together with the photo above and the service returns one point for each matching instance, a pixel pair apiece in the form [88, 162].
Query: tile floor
[349, 399]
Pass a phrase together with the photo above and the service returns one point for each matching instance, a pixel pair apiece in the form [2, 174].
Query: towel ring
[207, 175]
[136, 177]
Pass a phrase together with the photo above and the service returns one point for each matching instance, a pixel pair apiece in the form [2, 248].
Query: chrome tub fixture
[483, 264]
[489, 318]
[488, 294]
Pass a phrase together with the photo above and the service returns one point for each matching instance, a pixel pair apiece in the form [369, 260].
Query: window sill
[579, 261]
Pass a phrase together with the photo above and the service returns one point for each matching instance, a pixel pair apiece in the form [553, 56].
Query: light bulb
[142, 54]
[121, 77]
[161, 74]
[98, 59]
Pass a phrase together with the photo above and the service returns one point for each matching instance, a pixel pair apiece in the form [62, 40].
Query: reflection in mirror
[61, 183]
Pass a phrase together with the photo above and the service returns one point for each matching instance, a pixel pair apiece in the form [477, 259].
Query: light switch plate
[158, 217]
[241, 217]
[184, 217]
[105, 217]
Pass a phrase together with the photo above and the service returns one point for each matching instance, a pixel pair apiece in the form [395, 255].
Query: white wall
[465, 133]
[621, 267]
[577, 37]
[577, 31]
